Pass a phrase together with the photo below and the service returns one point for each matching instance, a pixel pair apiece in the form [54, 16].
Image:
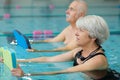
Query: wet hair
[96, 26]
[82, 7]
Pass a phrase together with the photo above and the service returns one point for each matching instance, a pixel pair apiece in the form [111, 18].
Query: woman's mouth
[77, 38]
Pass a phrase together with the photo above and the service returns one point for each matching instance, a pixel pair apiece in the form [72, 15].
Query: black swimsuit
[84, 59]
[111, 74]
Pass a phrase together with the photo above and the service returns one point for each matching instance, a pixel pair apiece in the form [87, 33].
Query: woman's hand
[1, 59]
[17, 72]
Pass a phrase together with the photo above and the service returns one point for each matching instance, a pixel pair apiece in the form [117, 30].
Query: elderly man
[77, 9]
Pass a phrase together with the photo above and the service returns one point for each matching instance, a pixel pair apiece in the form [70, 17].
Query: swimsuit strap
[95, 50]
[79, 54]
[84, 59]
[91, 56]
[93, 53]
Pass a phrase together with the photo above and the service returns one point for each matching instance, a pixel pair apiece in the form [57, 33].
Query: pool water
[112, 52]
[39, 67]
[39, 19]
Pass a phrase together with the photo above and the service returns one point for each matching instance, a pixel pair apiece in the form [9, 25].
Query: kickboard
[1, 51]
[9, 57]
[21, 39]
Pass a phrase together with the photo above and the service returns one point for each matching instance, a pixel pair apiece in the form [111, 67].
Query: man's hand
[31, 50]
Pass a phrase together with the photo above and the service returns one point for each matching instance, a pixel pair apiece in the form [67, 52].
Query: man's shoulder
[68, 27]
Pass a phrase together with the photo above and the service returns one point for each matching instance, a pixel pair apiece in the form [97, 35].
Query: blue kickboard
[21, 39]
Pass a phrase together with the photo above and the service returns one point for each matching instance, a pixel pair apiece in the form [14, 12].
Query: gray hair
[96, 26]
[82, 7]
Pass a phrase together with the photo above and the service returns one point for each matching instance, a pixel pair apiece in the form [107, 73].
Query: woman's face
[82, 37]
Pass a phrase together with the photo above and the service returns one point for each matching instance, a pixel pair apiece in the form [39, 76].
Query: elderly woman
[89, 58]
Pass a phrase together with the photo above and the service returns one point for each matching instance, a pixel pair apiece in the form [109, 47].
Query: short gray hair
[96, 26]
[82, 7]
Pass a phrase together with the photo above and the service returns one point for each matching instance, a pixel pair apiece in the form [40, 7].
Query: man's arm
[60, 49]
[59, 38]
[53, 50]
[70, 46]
[58, 58]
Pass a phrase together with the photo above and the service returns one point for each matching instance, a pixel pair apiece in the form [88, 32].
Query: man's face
[72, 13]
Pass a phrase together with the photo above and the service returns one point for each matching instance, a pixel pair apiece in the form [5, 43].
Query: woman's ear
[94, 39]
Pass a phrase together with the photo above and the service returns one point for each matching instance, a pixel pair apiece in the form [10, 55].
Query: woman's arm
[97, 63]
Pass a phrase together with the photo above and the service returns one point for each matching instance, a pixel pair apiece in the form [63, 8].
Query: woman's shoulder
[76, 50]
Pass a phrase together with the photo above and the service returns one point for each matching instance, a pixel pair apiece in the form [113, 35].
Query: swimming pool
[56, 23]
[111, 47]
